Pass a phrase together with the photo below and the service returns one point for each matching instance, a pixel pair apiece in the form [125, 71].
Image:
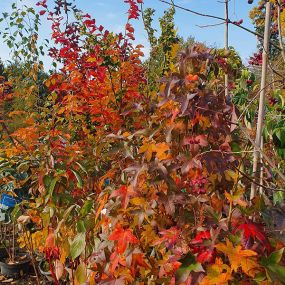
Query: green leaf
[80, 274]
[273, 258]
[82, 167]
[77, 246]
[189, 264]
[65, 216]
[278, 197]
[85, 210]
[261, 276]
[281, 152]
[78, 177]
[15, 214]
[81, 226]
[279, 134]
[23, 167]
[273, 269]
[52, 186]
[276, 272]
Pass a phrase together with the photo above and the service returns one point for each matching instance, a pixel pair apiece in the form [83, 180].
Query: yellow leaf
[80, 274]
[126, 134]
[161, 151]
[91, 59]
[239, 257]
[148, 235]
[138, 201]
[230, 175]
[148, 149]
[236, 197]
[217, 274]
[204, 122]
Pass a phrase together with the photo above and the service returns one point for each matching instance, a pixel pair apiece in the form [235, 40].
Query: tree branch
[218, 18]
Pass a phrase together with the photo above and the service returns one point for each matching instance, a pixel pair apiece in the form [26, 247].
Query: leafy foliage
[131, 179]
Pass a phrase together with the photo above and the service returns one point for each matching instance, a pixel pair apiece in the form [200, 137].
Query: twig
[213, 25]
[258, 184]
[265, 156]
[218, 18]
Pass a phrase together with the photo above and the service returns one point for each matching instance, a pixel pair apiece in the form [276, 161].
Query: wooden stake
[261, 109]
[226, 44]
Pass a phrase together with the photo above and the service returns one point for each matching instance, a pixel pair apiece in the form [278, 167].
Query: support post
[261, 109]
[226, 44]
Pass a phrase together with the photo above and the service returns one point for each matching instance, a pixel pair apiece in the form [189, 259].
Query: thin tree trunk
[261, 109]
[261, 176]
[226, 44]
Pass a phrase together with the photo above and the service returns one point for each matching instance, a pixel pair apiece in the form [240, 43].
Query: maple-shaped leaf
[239, 257]
[171, 202]
[201, 236]
[125, 193]
[231, 175]
[237, 197]
[169, 267]
[148, 235]
[206, 256]
[138, 259]
[148, 149]
[254, 231]
[169, 236]
[115, 260]
[204, 252]
[217, 274]
[123, 237]
[195, 142]
[162, 151]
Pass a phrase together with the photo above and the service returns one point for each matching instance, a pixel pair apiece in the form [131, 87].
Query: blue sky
[112, 15]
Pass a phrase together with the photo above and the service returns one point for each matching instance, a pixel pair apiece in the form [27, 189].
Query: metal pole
[261, 109]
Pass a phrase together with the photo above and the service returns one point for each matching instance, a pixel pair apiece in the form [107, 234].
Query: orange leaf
[239, 257]
[124, 193]
[123, 238]
[217, 274]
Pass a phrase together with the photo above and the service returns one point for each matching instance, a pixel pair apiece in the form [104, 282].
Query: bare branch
[218, 18]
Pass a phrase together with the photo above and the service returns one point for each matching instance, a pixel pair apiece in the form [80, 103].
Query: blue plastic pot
[9, 200]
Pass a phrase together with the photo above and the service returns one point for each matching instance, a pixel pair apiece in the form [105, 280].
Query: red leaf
[201, 236]
[138, 260]
[123, 238]
[205, 256]
[50, 240]
[169, 236]
[129, 28]
[124, 193]
[255, 231]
